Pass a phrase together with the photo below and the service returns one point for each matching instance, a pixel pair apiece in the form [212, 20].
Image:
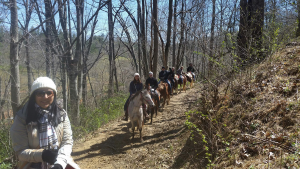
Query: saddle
[189, 75]
[176, 77]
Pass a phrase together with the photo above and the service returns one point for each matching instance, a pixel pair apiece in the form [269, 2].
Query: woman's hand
[49, 156]
[56, 166]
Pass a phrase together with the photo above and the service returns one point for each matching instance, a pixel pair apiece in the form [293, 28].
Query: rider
[179, 73]
[153, 83]
[191, 69]
[163, 76]
[135, 85]
[171, 76]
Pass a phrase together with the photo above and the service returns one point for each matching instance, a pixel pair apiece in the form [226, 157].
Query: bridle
[147, 100]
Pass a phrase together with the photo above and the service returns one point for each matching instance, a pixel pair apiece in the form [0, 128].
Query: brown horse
[189, 78]
[177, 82]
[163, 89]
[154, 109]
[156, 99]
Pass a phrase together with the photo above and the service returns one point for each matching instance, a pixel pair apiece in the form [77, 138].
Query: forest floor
[163, 146]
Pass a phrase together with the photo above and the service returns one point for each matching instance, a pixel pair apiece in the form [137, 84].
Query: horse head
[147, 97]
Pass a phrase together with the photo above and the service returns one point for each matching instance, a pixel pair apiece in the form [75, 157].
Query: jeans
[169, 84]
[126, 104]
[181, 78]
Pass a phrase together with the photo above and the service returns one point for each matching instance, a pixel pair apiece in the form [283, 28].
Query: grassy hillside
[251, 120]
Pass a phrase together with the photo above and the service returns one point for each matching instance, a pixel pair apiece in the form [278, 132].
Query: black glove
[56, 166]
[49, 156]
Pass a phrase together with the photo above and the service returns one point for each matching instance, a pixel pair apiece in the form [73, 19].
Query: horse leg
[141, 135]
[168, 99]
[156, 109]
[141, 128]
[132, 127]
[180, 88]
[152, 112]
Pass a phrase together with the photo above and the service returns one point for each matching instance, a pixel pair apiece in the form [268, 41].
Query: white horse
[135, 110]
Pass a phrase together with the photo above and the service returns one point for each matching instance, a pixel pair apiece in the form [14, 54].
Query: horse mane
[161, 85]
[136, 94]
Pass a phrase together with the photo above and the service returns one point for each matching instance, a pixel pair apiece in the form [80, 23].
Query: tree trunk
[257, 28]
[143, 34]
[139, 15]
[14, 58]
[174, 34]
[250, 31]
[68, 52]
[298, 18]
[178, 60]
[168, 33]
[110, 50]
[74, 72]
[28, 9]
[242, 43]
[212, 36]
[48, 37]
[155, 47]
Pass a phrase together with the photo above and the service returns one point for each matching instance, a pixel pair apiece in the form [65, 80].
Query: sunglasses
[41, 93]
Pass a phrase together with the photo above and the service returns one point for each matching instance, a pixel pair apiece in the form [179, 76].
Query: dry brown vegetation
[251, 120]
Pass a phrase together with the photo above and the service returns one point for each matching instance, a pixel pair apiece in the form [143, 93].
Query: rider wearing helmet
[135, 85]
[153, 84]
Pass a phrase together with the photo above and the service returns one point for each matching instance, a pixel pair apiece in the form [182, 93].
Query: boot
[126, 116]
[145, 114]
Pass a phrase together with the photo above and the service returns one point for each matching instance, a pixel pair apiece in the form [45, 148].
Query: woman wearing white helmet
[135, 85]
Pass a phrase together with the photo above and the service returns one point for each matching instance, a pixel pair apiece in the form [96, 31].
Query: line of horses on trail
[146, 97]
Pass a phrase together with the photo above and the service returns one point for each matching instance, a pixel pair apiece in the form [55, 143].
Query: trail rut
[112, 147]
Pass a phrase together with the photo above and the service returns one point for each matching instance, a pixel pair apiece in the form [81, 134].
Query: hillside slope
[252, 120]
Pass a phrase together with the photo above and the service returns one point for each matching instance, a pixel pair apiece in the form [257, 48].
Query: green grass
[92, 119]
[6, 150]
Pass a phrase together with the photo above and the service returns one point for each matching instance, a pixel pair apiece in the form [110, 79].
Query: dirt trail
[112, 147]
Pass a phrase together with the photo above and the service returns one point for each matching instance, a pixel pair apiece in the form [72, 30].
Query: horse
[189, 78]
[156, 100]
[163, 89]
[177, 82]
[135, 110]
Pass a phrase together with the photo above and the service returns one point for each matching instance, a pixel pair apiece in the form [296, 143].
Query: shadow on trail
[120, 143]
[191, 156]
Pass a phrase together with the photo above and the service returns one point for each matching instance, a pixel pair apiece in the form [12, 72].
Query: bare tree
[212, 36]
[111, 48]
[29, 6]
[155, 47]
[14, 57]
[168, 33]
[174, 34]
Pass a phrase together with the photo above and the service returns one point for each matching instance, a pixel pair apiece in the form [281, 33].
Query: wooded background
[91, 49]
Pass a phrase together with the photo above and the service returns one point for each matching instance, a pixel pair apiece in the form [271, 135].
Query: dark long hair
[33, 116]
[137, 81]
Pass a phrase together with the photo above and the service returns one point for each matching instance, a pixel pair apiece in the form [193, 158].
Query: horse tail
[157, 98]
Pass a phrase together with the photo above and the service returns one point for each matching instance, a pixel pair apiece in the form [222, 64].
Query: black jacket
[153, 82]
[163, 75]
[171, 74]
[190, 69]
